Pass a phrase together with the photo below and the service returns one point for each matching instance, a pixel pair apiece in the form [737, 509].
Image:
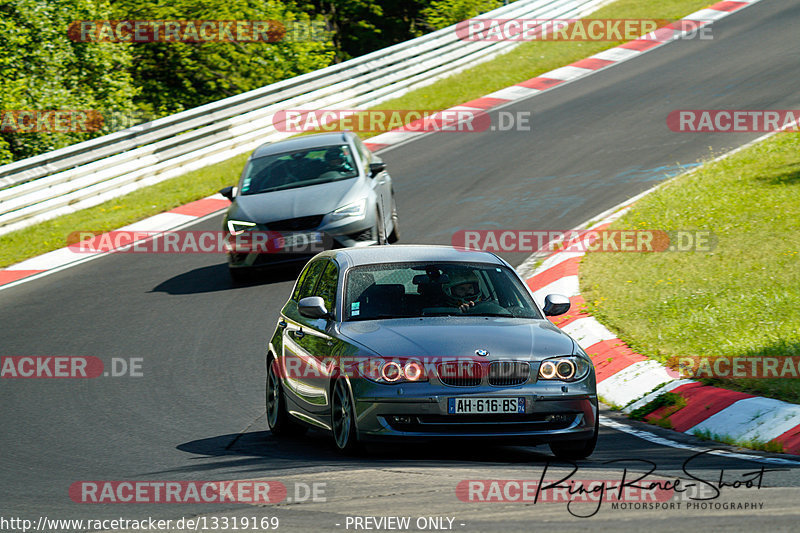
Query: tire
[576, 449]
[343, 420]
[278, 420]
[394, 236]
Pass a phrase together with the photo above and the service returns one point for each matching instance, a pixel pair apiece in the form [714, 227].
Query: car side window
[326, 288]
[308, 278]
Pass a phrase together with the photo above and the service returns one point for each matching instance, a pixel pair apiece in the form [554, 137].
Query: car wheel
[343, 420]
[278, 420]
[394, 236]
[580, 449]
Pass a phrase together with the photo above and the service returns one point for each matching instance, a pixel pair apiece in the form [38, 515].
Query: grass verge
[753, 444]
[673, 402]
[738, 300]
[52, 234]
[523, 62]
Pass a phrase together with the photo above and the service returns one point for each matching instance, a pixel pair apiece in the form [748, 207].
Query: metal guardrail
[91, 172]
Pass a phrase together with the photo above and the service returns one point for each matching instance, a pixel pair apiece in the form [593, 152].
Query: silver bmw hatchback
[427, 342]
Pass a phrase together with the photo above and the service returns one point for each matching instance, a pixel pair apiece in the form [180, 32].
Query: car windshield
[403, 290]
[299, 168]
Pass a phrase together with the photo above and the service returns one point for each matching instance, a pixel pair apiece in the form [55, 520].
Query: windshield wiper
[380, 316]
[268, 189]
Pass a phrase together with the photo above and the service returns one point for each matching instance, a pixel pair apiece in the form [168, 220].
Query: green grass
[676, 402]
[525, 61]
[753, 444]
[52, 234]
[741, 298]
[657, 387]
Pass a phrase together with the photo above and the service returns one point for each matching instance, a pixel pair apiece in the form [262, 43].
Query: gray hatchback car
[427, 342]
[308, 194]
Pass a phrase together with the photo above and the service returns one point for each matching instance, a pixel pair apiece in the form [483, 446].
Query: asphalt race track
[197, 412]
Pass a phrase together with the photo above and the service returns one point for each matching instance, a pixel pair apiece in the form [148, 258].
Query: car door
[321, 344]
[294, 345]
[310, 347]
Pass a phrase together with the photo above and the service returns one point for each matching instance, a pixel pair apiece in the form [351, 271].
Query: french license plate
[294, 240]
[471, 406]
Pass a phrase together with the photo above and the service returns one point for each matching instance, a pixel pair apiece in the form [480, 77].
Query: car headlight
[354, 211]
[237, 227]
[567, 368]
[392, 371]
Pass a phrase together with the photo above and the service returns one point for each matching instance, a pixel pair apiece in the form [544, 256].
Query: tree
[179, 75]
[43, 70]
[443, 13]
[128, 83]
[362, 26]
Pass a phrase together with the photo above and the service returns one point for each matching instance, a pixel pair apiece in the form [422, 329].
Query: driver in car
[462, 290]
[335, 161]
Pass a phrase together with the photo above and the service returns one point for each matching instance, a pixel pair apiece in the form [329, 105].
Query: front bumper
[337, 235]
[548, 416]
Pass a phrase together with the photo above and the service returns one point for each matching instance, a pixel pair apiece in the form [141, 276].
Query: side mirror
[228, 192]
[312, 307]
[376, 168]
[555, 304]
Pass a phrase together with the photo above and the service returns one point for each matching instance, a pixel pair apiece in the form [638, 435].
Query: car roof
[301, 143]
[397, 253]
